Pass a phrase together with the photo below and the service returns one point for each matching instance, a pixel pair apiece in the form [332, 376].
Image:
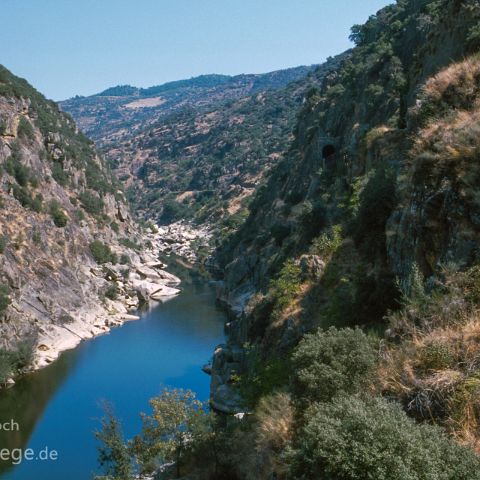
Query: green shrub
[330, 362]
[25, 129]
[59, 217]
[354, 438]
[4, 298]
[91, 203]
[437, 356]
[3, 243]
[37, 203]
[111, 292]
[36, 237]
[284, 289]
[262, 376]
[376, 204]
[58, 173]
[313, 219]
[473, 37]
[327, 243]
[114, 226]
[172, 211]
[23, 196]
[102, 252]
[280, 232]
[6, 365]
[80, 215]
[124, 259]
[126, 242]
[15, 168]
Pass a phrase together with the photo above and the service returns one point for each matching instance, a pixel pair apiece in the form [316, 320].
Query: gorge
[337, 209]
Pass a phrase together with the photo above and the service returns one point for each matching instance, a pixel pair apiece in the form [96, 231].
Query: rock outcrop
[73, 262]
[380, 179]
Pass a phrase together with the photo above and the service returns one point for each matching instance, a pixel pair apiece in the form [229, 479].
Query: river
[59, 407]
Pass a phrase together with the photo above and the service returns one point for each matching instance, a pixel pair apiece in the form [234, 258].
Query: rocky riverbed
[183, 240]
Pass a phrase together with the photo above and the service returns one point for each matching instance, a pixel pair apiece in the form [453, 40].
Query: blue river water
[59, 407]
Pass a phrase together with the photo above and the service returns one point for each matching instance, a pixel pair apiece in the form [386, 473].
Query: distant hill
[106, 116]
[205, 163]
[197, 148]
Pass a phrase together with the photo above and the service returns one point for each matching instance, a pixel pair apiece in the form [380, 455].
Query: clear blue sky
[70, 47]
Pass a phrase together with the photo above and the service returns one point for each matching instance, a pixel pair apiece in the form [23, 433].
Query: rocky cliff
[378, 185]
[72, 260]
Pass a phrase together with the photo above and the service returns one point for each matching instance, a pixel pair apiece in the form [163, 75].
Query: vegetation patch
[102, 253]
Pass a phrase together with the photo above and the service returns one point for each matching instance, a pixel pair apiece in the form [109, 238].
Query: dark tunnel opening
[328, 151]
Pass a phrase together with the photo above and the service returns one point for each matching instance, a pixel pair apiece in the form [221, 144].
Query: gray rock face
[227, 361]
[312, 266]
[56, 198]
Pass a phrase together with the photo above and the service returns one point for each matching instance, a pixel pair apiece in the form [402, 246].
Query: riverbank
[126, 368]
[139, 281]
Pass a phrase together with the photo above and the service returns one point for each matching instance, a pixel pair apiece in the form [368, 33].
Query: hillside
[205, 163]
[119, 112]
[68, 245]
[370, 221]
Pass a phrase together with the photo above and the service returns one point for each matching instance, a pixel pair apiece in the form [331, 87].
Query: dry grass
[259, 452]
[449, 142]
[457, 84]
[435, 370]
[274, 416]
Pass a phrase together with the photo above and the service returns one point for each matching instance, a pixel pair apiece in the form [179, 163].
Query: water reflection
[59, 406]
[25, 403]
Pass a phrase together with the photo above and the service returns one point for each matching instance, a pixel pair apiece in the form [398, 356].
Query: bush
[36, 237]
[102, 252]
[272, 430]
[313, 219]
[37, 203]
[330, 362]
[283, 290]
[3, 243]
[111, 292]
[25, 129]
[172, 211]
[15, 168]
[124, 259]
[91, 203]
[354, 438]
[262, 376]
[280, 232]
[126, 242]
[23, 196]
[58, 173]
[4, 298]
[328, 242]
[13, 361]
[6, 365]
[59, 217]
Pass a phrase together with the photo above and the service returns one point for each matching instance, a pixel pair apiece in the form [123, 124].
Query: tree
[330, 362]
[371, 438]
[114, 455]
[178, 423]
